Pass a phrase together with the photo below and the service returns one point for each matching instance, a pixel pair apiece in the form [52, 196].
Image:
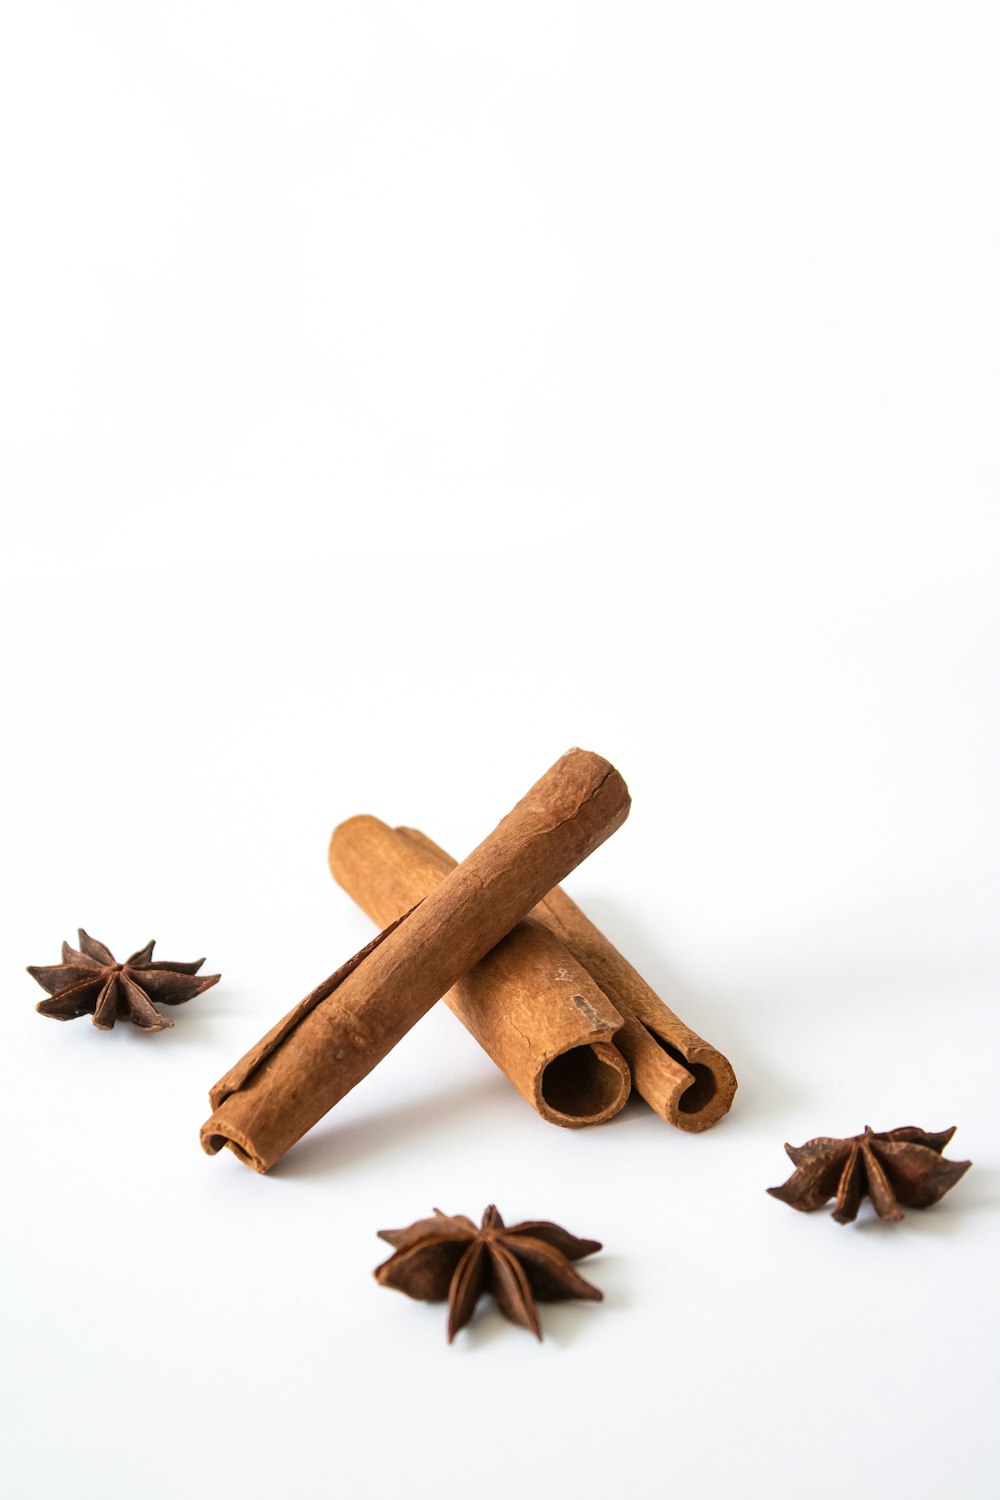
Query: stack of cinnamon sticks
[559, 1009]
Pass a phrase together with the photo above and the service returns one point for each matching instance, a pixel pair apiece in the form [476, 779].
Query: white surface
[393, 396]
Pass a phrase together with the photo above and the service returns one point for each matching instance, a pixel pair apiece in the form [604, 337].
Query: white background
[393, 396]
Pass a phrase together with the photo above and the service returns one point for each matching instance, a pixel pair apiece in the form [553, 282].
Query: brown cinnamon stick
[334, 1037]
[684, 1079]
[534, 1009]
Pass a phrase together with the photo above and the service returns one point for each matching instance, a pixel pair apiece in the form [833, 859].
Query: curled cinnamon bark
[534, 1009]
[683, 1078]
[329, 1042]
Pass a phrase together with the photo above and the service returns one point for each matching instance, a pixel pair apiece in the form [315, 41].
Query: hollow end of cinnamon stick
[709, 1096]
[583, 1086]
[691, 1088]
[241, 1146]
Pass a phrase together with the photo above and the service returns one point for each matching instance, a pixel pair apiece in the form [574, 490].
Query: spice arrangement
[563, 1014]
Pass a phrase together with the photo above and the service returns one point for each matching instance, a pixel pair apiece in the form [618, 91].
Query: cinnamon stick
[687, 1081]
[683, 1078]
[334, 1037]
[534, 1009]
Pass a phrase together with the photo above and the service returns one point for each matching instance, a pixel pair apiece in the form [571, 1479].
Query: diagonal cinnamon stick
[684, 1079]
[534, 1009]
[329, 1042]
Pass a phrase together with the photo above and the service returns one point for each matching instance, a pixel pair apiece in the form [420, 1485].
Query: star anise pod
[892, 1167]
[89, 981]
[521, 1265]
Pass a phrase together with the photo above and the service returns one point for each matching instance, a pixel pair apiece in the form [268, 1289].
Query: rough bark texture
[510, 1007]
[336, 1036]
[684, 1079]
[535, 1010]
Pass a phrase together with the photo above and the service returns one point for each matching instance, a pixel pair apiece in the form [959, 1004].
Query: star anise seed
[893, 1167]
[448, 1257]
[89, 981]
